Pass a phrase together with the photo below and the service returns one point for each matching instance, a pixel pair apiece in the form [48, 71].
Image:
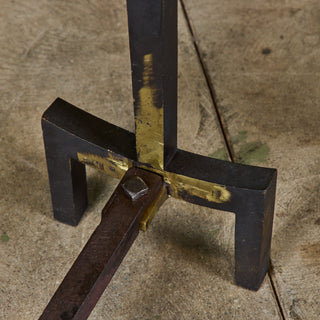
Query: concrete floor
[262, 61]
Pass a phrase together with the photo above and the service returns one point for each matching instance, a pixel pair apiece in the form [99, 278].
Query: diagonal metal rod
[95, 266]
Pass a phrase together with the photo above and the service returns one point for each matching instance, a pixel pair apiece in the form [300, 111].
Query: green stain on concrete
[253, 153]
[220, 154]
[240, 137]
[5, 238]
[246, 152]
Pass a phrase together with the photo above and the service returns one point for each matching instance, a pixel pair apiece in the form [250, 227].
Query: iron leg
[253, 231]
[67, 177]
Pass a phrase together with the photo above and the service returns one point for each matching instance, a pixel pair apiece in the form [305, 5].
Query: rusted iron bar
[95, 266]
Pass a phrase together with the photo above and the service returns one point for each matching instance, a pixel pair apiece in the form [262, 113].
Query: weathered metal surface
[153, 51]
[135, 188]
[247, 191]
[151, 211]
[94, 268]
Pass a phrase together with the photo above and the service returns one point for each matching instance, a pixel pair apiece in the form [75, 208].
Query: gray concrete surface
[263, 61]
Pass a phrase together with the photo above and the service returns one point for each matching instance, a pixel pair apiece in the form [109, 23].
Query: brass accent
[153, 208]
[179, 185]
[115, 165]
[149, 121]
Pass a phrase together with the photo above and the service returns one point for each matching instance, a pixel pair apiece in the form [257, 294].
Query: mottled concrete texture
[262, 58]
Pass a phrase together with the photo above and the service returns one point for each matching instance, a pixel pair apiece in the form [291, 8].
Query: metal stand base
[73, 138]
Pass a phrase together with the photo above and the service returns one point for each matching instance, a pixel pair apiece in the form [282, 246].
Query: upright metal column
[153, 50]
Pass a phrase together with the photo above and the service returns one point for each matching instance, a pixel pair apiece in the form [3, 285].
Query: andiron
[150, 167]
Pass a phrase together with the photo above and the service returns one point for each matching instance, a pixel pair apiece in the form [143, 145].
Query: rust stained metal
[92, 271]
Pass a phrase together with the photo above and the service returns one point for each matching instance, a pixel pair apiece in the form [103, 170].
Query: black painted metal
[68, 131]
[252, 188]
[153, 30]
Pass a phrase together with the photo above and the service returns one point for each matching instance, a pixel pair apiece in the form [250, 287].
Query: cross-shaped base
[74, 138]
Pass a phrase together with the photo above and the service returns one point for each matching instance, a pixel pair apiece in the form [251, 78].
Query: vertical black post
[153, 49]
